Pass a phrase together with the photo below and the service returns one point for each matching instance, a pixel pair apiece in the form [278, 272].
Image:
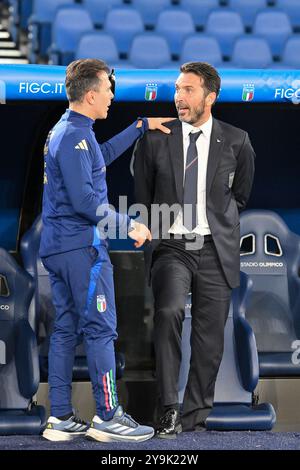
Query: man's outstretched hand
[140, 234]
[157, 123]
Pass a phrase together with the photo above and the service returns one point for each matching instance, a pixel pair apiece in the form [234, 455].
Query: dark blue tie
[190, 184]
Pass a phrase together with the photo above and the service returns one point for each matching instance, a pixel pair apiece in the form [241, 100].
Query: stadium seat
[69, 24]
[291, 53]
[41, 308]
[149, 51]
[26, 7]
[150, 10]
[19, 367]
[248, 9]
[226, 26]
[14, 20]
[175, 25]
[251, 52]
[201, 48]
[97, 45]
[98, 9]
[238, 374]
[275, 27]
[199, 12]
[40, 23]
[270, 255]
[19, 13]
[123, 24]
[292, 8]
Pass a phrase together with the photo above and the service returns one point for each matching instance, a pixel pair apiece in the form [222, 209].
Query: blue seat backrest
[275, 26]
[98, 9]
[198, 45]
[270, 255]
[44, 12]
[99, 46]
[41, 309]
[149, 51]
[150, 10]
[238, 372]
[69, 24]
[248, 9]
[251, 52]
[291, 52]
[291, 7]
[226, 26]
[19, 371]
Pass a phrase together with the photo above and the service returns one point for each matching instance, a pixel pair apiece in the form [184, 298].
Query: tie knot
[194, 136]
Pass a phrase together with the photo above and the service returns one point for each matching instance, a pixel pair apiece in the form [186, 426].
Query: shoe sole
[178, 430]
[103, 436]
[59, 436]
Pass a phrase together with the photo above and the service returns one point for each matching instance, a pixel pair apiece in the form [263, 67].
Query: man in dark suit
[203, 170]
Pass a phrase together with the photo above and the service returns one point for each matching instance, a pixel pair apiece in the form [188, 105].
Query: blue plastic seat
[14, 19]
[226, 26]
[238, 373]
[200, 11]
[291, 53]
[19, 13]
[251, 52]
[270, 255]
[97, 45]
[248, 9]
[40, 23]
[150, 10]
[175, 25]
[26, 7]
[98, 9]
[123, 24]
[42, 309]
[149, 51]
[19, 367]
[292, 9]
[201, 48]
[69, 25]
[275, 27]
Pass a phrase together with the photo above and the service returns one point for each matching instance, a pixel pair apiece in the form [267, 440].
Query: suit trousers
[177, 271]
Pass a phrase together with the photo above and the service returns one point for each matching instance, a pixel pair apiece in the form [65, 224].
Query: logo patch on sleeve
[101, 303]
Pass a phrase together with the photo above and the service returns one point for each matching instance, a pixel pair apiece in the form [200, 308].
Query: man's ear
[211, 98]
[90, 97]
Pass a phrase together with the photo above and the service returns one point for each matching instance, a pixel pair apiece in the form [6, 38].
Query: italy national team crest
[248, 92]
[101, 303]
[151, 91]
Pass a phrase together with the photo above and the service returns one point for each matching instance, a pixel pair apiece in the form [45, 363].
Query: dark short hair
[82, 76]
[211, 78]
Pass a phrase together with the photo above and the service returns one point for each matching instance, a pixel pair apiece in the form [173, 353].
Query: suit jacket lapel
[176, 154]
[215, 152]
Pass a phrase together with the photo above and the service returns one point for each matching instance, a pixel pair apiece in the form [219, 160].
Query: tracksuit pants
[83, 297]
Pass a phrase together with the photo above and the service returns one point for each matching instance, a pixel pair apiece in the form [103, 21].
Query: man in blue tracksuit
[74, 251]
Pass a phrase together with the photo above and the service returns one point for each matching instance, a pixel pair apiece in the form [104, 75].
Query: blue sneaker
[58, 430]
[121, 428]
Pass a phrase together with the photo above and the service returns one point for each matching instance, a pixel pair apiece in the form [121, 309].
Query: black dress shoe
[200, 428]
[169, 425]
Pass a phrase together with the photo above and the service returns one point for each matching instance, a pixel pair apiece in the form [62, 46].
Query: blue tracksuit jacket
[75, 182]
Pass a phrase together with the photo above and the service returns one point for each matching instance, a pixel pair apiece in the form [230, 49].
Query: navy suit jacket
[158, 174]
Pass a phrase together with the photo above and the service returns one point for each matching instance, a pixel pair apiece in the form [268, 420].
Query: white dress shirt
[202, 144]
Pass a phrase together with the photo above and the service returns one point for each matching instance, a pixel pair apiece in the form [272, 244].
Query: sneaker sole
[102, 436]
[59, 436]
